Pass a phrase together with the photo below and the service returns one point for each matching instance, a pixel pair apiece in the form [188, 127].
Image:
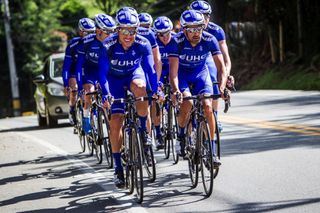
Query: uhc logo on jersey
[164, 55]
[125, 63]
[193, 58]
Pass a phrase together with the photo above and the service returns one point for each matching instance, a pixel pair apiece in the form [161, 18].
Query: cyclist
[187, 59]
[163, 28]
[144, 30]
[87, 63]
[85, 27]
[124, 61]
[214, 29]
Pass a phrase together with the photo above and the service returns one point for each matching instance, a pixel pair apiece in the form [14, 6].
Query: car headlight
[55, 91]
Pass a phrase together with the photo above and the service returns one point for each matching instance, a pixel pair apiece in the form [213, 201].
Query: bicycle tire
[174, 130]
[192, 155]
[136, 152]
[165, 123]
[105, 136]
[150, 169]
[78, 126]
[206, 165]
[96, 134]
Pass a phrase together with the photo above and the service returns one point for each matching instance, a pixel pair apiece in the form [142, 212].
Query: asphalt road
[271, 161]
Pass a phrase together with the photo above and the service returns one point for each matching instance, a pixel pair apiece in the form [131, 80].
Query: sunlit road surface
[271, 161]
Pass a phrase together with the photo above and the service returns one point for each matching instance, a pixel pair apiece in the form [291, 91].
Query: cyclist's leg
[72, 98]
[138, 88]
[116, 122]
[88, 86]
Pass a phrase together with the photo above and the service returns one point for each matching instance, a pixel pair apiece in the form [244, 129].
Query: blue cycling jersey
[120, 63]
[88, 57]
[193, 58]
[164, 56]
[148, 34]
[216, 30]
[70, 59]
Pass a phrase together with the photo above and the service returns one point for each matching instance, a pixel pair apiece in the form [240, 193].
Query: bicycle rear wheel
[95, 122]
[149, 164]
[136, 152]
[206, 158]
[216, 145]
[192, 153]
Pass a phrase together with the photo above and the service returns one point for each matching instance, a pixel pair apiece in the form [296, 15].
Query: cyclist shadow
[172, 190]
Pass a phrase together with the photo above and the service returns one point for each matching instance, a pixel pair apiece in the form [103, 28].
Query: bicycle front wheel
[105, 137]
[78, 126]
[206, 158]
[95, 133]
[192, 152]
[136, 154]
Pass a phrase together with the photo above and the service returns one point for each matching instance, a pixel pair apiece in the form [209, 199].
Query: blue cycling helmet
[145, 19]
[86, 25]
[191, 18]
[162, 24]
[127, 9]
[201, 6]
[105, 22]
[127, 19]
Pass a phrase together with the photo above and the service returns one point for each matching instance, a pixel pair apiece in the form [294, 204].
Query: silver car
[49, 96]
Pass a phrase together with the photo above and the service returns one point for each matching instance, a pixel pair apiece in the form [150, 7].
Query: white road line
[94, 175]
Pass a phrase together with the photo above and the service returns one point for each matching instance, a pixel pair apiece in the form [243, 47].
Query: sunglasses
[124, 31]
[194, 30]
[163, 34]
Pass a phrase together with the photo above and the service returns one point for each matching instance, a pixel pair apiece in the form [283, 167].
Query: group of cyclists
[132, 51]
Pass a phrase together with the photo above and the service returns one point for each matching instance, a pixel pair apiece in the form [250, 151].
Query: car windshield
[57, 64]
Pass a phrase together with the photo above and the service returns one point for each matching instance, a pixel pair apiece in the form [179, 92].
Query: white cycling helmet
[191, 18]
[86, 25]
[145, 19]
[162, 24]
[105, 22]
[201, 6]
[127, 18]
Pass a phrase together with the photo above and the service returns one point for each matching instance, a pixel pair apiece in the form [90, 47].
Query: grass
[286, 79]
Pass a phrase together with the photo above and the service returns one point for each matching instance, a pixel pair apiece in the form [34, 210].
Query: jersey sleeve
[152, 39]
[172, 48]
[104, 67]
[79, 64]
[66, 66]
[147, 64]
[214, 46]
[220, 35]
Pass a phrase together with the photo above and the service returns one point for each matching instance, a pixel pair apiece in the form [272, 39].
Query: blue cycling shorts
[117, 84]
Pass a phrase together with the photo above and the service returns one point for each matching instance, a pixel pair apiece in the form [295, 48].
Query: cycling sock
[158, 131]
[72, 108]
[117, 162]
[182, 133]
[86, 113]
[143, 123]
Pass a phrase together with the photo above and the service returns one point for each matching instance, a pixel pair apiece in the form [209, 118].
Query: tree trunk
[273, 57]
[300, 44]
[281, 50]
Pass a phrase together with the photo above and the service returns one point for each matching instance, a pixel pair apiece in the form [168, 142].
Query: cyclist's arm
[79, 65]
[104, 67]
[222, 77]
[66, 66]
[157, 61]
[147, 64]
[173, 73]
[225, 52]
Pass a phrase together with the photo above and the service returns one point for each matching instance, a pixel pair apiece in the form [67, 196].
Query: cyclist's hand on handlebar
[107, 101]
[230, 83]
[176, 97]
[66, 91]
[159, 96]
